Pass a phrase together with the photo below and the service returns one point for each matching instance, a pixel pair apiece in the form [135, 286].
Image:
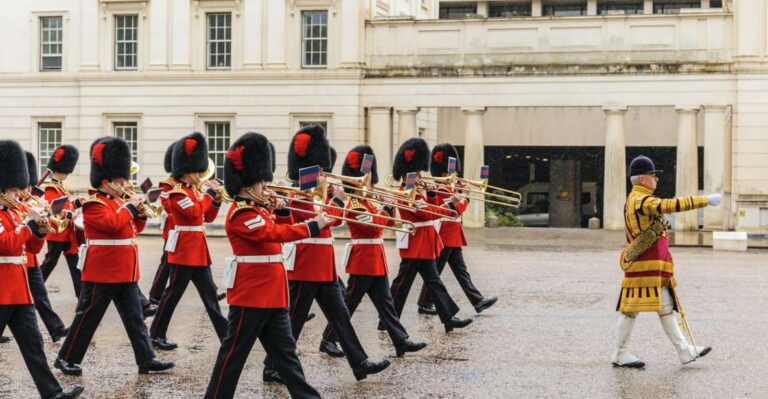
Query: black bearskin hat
[333, 161]
[64, 159]
[110, 159]
[309, 147]
[413, 156]
[168, 160]
[31, 169]
[438, 164]
[13, 163]
[354, 161]
[274, 156]
[248, 161]
[190, 155]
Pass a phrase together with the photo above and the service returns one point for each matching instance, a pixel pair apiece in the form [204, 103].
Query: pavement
[549, 336]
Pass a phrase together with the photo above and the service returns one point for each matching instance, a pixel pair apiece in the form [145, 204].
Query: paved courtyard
[550, 335]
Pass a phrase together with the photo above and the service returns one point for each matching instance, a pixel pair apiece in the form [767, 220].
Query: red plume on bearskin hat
[64, 159]
[354, 161]
[248, 161]
[438, 164]
[413, 156]
[309, 147]
[190, 155]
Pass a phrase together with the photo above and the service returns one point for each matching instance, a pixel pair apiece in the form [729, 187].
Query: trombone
[282, 192]
[509, 198]
[369, 192]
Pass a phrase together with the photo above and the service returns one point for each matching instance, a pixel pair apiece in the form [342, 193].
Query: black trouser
[91, 307]
[455, 259]
[401, 286]
[52, 321]
[55, 249]
[377, 288]
[273, 328]
[201, 277]
[331, 301]
[22, 321]
[161, 279]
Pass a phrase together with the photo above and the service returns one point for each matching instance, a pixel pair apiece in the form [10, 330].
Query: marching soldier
[365, 261]
[452, 235]
[419, 250]
[258, 295]
[313, 273]
[16, 232]
[649, 281]
[110, 261]
[161, 276]
[52, 321]
[188, 257]
[61, 164]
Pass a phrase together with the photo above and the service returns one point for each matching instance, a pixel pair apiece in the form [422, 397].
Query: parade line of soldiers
[282, 256]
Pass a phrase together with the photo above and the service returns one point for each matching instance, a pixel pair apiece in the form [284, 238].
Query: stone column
[717, 164]
[648, 7]
[615, 173]
[406, 123]
[591, 7]
[536, 9]
[473, 160]
[687, 177]
[380, 138]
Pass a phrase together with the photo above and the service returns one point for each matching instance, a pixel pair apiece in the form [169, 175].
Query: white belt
[127, 241]
[189, 228]
[425, 224]
[367, 241]
[316, 241]
[15, 260]
[260, 259]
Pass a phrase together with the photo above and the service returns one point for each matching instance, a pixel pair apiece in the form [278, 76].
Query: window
[218, 144]
[323, 124]
[126, 41]
[314, 39]
[605, 7]
[219, 41]
[49, 139]
[457, 10]
[564, 8]
[51, 43]
[673, 6]
[129, 131]
[507, 10]
[716, 4]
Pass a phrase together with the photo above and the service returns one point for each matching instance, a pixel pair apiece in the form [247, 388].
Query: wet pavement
[550, 335]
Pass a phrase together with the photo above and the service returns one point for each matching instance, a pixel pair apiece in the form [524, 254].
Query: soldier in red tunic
[52, 321]
[110, 261]
[312, 273]
[17, 231]
[365, 260]
[187, 247]
[163, 271]
[257, 284]
[419, 250]
[452, 234]
[61, 164]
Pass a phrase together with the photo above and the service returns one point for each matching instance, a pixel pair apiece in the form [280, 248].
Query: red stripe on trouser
[165, 302]
[229, 355]
[397, 290]
[77, 330]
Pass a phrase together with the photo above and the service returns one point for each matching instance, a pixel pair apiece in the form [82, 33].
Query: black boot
[221, 296]
[409, 346]
[330, 348]
[76, 391]
[456, 322]
[310, 316]
[155, 365]
[271, 375]
[381, 326]
[4, 339]
[164, 344]
[430, 310]
[57, 336]
[150, 310]
[368, 367]
[485, 303]
[67, 367]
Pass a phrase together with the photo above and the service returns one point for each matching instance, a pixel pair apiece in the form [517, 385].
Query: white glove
[714, 199]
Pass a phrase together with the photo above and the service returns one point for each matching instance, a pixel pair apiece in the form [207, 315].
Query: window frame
[296, 120]
[43, 159]
[116, 41]
[214, 152]
[208, 40]
[133, 144]
[41, 43]
[321, 40]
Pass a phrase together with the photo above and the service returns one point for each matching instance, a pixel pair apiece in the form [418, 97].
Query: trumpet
[284, 193]
[146, 209]
[60, 223]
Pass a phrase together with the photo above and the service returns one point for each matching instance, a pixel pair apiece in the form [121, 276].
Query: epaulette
[178, 189]
[355, 203]
[54, 185]
[240, 206]
[92, 199]
[170, 181]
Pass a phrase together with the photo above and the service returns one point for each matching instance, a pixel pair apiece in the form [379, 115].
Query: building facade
[519, 85]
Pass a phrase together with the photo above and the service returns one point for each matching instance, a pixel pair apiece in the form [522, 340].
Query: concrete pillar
[687, 176]
[705, 4]
[615, 173]
[482, 8]
[473, 160]
[536, 10]
[406, 123]
[648, 7]
[591, 7]
[380, 138]
[717, 164]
